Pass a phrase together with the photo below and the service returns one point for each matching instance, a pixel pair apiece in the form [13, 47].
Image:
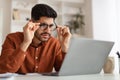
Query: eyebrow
[46, 24]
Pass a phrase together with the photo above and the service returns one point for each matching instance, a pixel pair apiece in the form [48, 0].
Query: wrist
[65, 48]
[24, 45]
[26, 42]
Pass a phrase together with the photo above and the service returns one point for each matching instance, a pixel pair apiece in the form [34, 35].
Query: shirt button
[24, 55]
[36, 49]
[36, 66]
[36, 58]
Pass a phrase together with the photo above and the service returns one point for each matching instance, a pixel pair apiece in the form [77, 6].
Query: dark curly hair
[42, 10]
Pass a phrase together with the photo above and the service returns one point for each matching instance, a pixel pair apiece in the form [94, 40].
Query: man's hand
[28, 31]
[64, 37]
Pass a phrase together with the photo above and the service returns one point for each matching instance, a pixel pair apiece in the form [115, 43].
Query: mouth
[45, 35]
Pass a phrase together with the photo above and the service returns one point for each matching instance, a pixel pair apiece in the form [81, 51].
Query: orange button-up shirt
[39, 59]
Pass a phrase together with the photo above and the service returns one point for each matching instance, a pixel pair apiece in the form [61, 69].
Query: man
[34, 49]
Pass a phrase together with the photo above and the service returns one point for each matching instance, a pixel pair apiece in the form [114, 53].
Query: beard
[43, 36]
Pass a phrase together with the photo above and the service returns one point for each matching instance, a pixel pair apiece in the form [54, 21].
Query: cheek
[39, 32]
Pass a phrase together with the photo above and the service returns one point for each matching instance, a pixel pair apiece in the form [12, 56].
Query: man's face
[44, 34]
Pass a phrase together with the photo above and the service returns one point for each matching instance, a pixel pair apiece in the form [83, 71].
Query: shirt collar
[43, 43]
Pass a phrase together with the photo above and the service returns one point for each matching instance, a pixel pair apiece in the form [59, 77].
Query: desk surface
[76, 77]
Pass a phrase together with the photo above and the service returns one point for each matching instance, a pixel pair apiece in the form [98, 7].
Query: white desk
[77, 77]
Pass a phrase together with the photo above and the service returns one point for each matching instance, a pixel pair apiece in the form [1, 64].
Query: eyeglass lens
[45, 26]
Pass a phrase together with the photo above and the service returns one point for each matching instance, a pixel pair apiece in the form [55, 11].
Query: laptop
[85, 56]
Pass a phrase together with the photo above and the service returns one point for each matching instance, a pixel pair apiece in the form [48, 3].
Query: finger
[30, 25]
[27, 26]
[30, 20]
[36, 26]
[64, 30]
[59, 30]
[59, 33]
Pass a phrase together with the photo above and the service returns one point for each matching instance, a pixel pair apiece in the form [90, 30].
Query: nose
[47, 29]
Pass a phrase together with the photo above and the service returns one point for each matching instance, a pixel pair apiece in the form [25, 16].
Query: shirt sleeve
[59, 57]
[11, 57]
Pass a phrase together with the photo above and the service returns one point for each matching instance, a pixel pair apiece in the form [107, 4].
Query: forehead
[46, 20]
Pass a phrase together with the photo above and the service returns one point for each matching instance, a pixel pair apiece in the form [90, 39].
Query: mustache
[45, 33]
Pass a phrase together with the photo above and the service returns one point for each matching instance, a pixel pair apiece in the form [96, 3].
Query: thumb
[36, 26]
[59, 34]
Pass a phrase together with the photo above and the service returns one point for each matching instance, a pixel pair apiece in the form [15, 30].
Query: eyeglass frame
[48, 25]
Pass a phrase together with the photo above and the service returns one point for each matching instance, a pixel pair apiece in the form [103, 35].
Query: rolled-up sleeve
[59, 57]
[11, 57]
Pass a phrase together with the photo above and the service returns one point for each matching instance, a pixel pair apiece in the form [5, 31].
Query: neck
[36, 42]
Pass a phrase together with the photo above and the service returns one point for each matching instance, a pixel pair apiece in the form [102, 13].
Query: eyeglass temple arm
[55, 24]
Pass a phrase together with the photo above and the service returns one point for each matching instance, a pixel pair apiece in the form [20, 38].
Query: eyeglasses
[44, 26]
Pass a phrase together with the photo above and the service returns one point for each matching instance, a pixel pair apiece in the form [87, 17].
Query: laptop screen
[85, 56]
